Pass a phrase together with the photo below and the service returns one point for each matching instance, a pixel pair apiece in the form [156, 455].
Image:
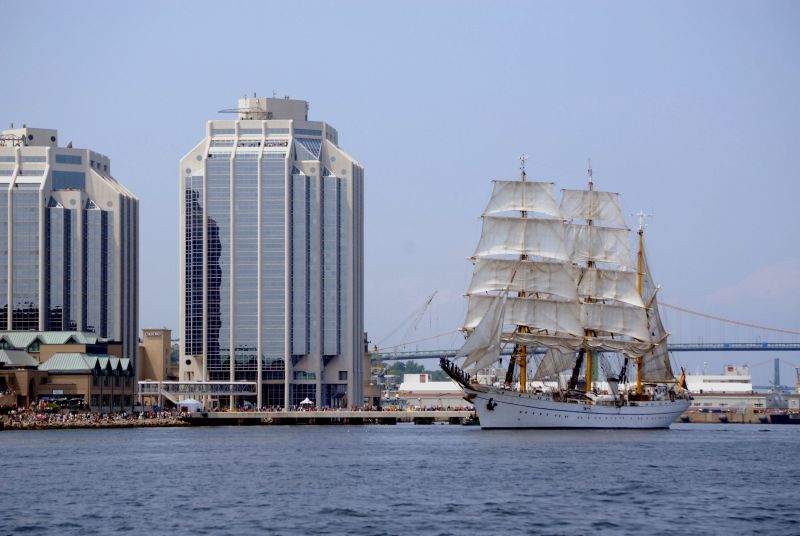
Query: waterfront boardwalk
[327, 417]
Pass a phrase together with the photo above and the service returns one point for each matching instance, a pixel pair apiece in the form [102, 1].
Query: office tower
[68, 240]
[272, 257]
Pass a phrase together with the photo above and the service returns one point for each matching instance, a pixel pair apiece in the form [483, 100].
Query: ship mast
[589, 333]
[639, 273]
[520, 354]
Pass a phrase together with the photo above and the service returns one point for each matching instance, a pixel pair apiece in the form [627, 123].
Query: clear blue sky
[689, 109]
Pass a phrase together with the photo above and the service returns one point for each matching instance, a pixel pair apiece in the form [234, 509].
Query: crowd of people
[303, 407]
[454, 372]
[36, 418]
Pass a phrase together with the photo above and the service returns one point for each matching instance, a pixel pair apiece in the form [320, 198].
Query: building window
[69, 159]
[343, 375]
[68, 180]
[25, 269]
[304, 375]
[307, 132]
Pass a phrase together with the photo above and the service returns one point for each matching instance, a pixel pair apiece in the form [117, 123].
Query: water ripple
[399, 480]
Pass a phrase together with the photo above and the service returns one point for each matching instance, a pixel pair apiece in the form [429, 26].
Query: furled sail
[527, 196]
[601, 284]
[617, 319]
[553, 363]
[591, 205]
[520, 236]
[483, 344]
[551, 278]
[567, 343]
[553, 316]
[599, 244]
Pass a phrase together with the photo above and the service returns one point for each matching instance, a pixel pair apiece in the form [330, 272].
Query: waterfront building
[156, 360]
[271, 257]
[74, 369]
[734, 379]
[421, 392]
[68, 240]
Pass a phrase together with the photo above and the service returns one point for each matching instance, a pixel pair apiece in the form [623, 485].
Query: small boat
[560, 282]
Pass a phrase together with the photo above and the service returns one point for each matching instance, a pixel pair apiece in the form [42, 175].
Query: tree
[409, 367]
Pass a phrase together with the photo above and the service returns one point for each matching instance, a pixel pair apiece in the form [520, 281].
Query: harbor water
[401, 480]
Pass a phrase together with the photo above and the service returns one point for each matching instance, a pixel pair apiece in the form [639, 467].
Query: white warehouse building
[271, 257]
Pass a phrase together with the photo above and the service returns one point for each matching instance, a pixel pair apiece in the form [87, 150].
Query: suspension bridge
[693, 332]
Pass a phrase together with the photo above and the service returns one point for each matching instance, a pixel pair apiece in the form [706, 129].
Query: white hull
[511, 409]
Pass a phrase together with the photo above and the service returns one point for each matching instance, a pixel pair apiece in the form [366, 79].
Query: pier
[245, 418]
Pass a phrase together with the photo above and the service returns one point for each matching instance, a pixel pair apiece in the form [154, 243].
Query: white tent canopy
[307, 402]
[191, 405]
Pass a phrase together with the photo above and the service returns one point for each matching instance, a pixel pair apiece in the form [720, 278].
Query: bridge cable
[729, 321]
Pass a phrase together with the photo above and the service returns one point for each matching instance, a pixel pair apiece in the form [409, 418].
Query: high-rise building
[68, 240]
[272, 257]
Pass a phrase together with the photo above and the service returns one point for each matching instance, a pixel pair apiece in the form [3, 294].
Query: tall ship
[561, 283]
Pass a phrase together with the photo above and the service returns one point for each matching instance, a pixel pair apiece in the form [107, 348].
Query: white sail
[553, 316]
[604, 284]
[656, 365]
[527, 196]
[553, 363]
[617, 319]
[591, 205]
[484, 341]
[522, 236]
[599, 244]
[552, 278]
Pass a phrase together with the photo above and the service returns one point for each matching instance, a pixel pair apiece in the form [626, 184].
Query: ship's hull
[502, 409]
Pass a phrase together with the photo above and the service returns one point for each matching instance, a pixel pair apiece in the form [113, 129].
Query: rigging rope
[729, 321]
[418, 340]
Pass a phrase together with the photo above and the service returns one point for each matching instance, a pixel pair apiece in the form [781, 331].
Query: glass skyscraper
[68, 240]
[272, 257]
